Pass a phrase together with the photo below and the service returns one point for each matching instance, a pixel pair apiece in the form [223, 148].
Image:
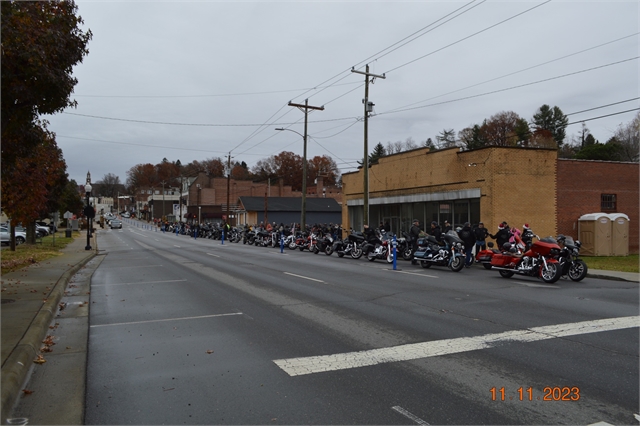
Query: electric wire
[509, 88]
[519, 71]
[468, 37]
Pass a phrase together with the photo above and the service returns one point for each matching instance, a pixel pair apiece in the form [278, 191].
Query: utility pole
[368, 107]
[305, 108]
[228, 187]
[163, 213]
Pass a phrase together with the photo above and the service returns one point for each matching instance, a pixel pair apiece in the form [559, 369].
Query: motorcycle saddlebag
[420, 254]
[501, 260]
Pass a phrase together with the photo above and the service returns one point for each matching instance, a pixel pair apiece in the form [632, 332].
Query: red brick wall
[580, 184]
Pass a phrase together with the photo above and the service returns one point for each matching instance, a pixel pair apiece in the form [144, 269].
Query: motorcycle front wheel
[457, 264]
[356, 253]
[292, 245]
[551, 273]
[328, 250]
[578, 270]
[407, 254]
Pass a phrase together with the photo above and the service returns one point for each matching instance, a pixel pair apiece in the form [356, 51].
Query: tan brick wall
[517, 184]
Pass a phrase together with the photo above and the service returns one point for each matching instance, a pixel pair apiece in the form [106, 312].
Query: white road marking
[214, 255]
[301, 276]
[535, 285]
[322, 363]
[177, 246]
[166, 319]
[143, 282]
[408, 415]
[411, 273]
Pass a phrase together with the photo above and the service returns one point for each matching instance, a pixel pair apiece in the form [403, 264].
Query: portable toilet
[594, 230]
[619, 234]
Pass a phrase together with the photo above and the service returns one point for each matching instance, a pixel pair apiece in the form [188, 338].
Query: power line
[603, 106]
[509, 88]
[519, 71]
[469, 36]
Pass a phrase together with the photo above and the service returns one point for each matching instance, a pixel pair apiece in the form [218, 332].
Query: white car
[126, 214]
[5, 236]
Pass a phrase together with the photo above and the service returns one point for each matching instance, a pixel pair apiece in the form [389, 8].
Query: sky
[197, 80]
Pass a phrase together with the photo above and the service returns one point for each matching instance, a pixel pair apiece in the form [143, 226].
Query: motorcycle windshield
[452, 237]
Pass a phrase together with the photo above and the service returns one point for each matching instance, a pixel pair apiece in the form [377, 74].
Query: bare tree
[628, 137]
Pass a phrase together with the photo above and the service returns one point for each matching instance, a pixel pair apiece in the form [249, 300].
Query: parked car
[126, 214]
[5, 236]
[115, 224]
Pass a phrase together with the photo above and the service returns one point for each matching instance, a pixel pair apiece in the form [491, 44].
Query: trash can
[67, 233]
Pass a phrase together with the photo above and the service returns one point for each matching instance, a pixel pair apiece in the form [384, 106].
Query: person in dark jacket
[447, 227]
[414, 234]
[436, 231]
[371, 238]
[469, 240]
[480, 233]
[502, 236]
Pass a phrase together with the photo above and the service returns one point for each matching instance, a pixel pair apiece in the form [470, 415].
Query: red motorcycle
[540, 260]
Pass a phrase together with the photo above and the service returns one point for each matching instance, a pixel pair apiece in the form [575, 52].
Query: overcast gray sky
[195, 80]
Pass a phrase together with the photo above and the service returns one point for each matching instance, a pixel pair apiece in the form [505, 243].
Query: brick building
[206, 196]
[492, 184]
[586, 186]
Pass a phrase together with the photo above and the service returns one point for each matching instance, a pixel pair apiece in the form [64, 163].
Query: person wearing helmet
[469, 240]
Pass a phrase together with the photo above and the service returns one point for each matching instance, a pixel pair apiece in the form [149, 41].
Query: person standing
[502, 236]
[467, 237]
[480, 233]
[447, 227]
[414, 234]
[436, 231]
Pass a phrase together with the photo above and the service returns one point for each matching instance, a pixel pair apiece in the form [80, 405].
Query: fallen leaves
[40, 360]
[210, 351]
[27, 391]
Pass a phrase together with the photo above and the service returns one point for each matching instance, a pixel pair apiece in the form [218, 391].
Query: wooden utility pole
[228, 187]
[368, 107]
[304, 108]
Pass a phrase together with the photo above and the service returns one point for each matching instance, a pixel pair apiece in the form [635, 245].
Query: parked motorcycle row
[546, 258]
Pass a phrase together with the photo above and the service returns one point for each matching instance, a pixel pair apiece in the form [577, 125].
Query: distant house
[287, 210]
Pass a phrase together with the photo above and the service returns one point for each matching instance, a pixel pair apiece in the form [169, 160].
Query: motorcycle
[325, 244]
[352, 245]
[485, 256]
[538, 261]
[383, 250]
[570, 265]
[430, 252]
[404, 247]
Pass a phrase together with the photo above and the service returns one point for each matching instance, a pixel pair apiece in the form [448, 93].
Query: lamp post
[87, 190]
[303, 215]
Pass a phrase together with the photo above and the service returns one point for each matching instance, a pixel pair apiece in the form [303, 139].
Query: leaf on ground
[210, 351]
[40, 360]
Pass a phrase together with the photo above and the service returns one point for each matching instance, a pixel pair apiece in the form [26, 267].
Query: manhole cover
[7, 301]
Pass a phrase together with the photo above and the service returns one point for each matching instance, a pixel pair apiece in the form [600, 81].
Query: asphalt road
[186, 331]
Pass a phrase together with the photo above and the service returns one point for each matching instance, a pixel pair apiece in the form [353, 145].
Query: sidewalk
[613, 275]
[29, 302]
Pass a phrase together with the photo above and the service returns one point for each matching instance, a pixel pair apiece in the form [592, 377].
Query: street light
[303, 215]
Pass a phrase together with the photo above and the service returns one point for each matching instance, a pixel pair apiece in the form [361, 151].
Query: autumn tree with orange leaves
[41, 42]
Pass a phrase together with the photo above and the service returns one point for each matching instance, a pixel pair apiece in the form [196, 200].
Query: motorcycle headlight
[458, 245]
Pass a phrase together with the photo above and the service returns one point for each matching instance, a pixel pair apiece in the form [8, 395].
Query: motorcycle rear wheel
[486, 265]
[340, 253]
[457, 264]
[425, 264]
[371, 257]
[578, 270]
[292, 245]
[551, 273]
[506, 274]
[328, 250]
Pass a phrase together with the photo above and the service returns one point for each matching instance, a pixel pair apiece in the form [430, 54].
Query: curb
[611, 278]
[20, 361]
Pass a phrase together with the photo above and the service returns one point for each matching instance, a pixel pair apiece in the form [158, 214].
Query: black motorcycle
[451, 254]
[570, 265]
[350, 246]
